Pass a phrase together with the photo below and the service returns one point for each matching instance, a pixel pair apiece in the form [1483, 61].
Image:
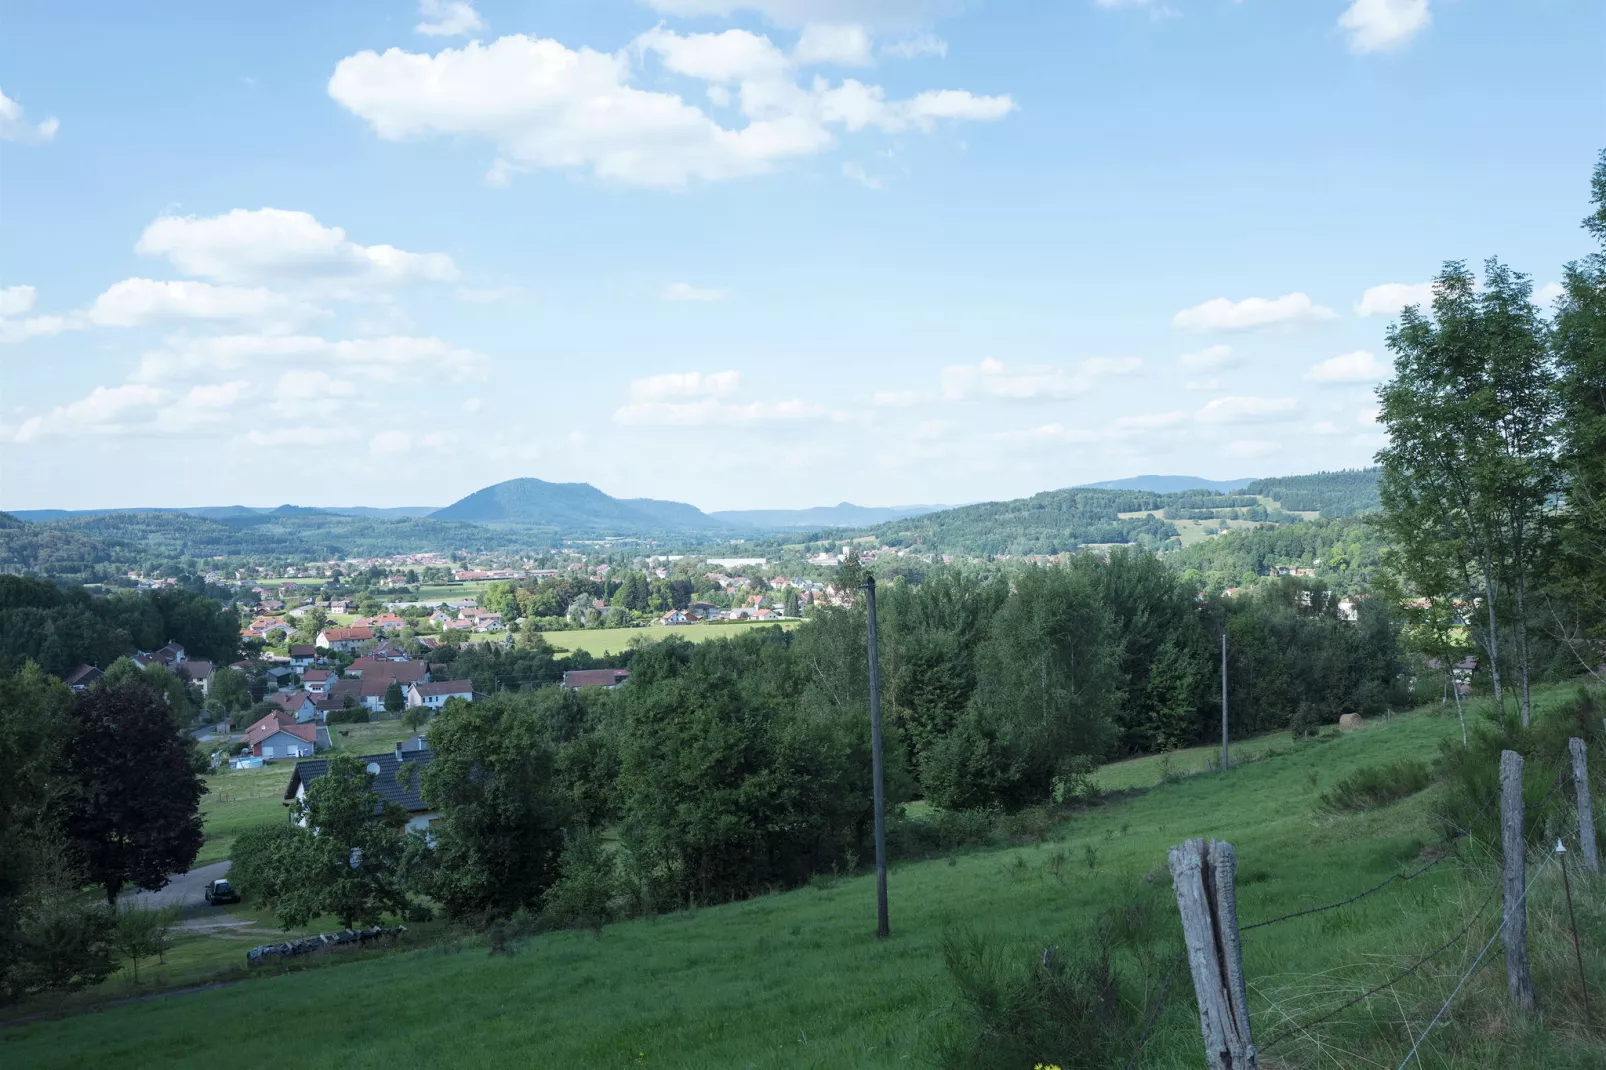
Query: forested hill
[1342, 493]
[1344, 551]
[1053, 522]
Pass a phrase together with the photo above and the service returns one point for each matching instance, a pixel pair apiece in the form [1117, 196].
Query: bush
[348, 715]
[587, 884]
[1377, 785]
[258, 861]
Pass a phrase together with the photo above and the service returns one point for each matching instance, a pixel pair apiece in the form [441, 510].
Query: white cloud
[448, 18]
[14, 128]
[1211, 358]
[545, 105]
[916, 47]
[15, 300]
[305, 436]
[1547, 294]
[1389, 298]
[1054, 432]
[842, 44]
[1250, 313]
[473, 405]
[1361, 366]
[685, 291]
[1151, 421]
[1250, 448]
[274, 245]
[137, 408]
[390, 443]
[685, 385]
[1246, 409]
[1029, 382]
[1380, 25]
[302, 392]
[856, 171]
[136, 302]
[802, 12]
[392, 359]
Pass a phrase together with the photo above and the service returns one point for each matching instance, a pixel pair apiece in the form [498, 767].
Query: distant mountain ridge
[236, 512]
[578, 507]
[1171, 484]
[841, 515]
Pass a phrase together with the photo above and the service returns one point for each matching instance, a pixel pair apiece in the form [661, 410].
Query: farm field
[600, 641]
[797, 979]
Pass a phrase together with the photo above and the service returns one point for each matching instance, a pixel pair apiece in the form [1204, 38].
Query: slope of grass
[797, 979]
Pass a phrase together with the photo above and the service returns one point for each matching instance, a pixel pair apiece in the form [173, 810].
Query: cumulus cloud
[1247, 409]
[802, 12]
[275, 245]
[544, 105]
[1389, 298]
[306, 391]
[685, 385]
[992, 379]
[1221, 314]
[842, 44]
[13, 127]
[1381, 25]
[138, 408]
[685, 291]
[1547, 294]
[391, 359]
[1361, 366]
[447, 18]
[1211, 358]
[917, 47]
[699, 399]
[137, 302]
[15, 301]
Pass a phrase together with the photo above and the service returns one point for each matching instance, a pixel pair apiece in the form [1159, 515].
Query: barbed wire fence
[1204, 872]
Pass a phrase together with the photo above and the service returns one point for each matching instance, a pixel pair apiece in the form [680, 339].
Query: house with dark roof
[577, 678]
[317, 681]
[389, 650]
[304, 656]
[434, 695]
[197, 671]
[403, 672]
[83, 677]
[397, 777]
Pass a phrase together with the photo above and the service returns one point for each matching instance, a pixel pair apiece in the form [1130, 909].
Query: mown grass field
[600, 641]
[797, 980]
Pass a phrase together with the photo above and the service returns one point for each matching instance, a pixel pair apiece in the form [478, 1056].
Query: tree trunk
[1492, 642]
[1522, 647]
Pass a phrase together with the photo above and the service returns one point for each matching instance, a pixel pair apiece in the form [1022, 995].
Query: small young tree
[141, 933]
[395, 701]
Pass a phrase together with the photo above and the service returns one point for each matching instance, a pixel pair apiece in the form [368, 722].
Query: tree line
[1494, 481]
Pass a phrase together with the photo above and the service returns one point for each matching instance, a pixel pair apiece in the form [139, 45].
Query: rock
[1351, 721]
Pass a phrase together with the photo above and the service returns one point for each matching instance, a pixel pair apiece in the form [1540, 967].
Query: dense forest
[59, 628]
[1053, 522]
[1333, 494]
[1345, 553]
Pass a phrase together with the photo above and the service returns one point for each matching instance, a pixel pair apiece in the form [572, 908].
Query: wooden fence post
[1586, 808]
[1514, 915]
[1204, 874]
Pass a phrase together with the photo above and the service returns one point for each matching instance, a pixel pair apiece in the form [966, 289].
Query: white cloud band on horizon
[1252, 313]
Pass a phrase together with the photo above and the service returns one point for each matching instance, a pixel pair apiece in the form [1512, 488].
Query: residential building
[304, 656]
[346, 639]
[434, 695]
[397, 778]
[83, 677]
[610, 678]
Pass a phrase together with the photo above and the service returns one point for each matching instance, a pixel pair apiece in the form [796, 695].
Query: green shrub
[258, 855]
[587, 883]
[348, 715]
[1377, 785]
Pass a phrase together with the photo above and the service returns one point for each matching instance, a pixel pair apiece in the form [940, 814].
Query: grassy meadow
[600, 641]
[797, 980]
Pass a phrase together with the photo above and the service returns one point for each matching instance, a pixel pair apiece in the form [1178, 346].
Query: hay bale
[1351, 722]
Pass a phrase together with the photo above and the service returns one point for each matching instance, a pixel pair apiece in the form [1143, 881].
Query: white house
[434, 695]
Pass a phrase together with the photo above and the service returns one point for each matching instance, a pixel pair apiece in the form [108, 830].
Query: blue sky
[747, 253]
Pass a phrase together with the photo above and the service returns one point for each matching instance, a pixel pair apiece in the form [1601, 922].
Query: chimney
[398, 753]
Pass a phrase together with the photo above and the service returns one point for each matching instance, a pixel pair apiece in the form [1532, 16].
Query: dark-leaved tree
[131, 806]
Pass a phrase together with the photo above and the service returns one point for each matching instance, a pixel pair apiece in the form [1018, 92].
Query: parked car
[221, 891]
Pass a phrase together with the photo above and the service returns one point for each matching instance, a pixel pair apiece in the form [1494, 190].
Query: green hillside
[1333, 494]
[575, 507]
[797, 980]
[1053, 522]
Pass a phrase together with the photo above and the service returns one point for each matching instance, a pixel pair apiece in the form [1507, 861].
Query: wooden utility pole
[1224, 757]
[1514, 919]
[1586, 808]
[1204, 874]
[883, 928]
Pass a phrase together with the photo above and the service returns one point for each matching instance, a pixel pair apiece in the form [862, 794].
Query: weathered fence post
[1586, 809]
[1204, 873]
[1514, 920]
